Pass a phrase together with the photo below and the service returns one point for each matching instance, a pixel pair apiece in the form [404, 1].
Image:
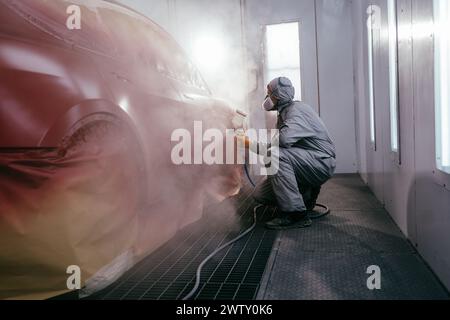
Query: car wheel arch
[74, 117]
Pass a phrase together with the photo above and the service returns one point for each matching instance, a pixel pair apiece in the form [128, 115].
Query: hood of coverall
[283, 90]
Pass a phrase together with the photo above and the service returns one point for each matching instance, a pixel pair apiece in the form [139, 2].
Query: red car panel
[86, 118]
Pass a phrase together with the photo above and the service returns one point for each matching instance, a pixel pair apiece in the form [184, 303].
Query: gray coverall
[307, 158]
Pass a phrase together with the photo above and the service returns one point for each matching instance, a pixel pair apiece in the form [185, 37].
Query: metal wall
[432, 187]
[413, 190]
[336, 87]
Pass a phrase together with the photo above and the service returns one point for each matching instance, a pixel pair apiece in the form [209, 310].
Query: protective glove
[242, 139]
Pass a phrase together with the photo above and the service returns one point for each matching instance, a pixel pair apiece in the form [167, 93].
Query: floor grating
[233, 274]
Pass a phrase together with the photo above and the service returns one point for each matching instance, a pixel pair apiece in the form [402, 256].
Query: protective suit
[307, 156]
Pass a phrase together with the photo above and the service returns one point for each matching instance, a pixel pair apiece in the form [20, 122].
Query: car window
[133, 40]
[180, 67]
[51, 16]
[138, 40]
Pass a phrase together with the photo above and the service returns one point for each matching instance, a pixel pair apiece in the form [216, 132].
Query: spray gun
[240, 123]
[240, 120]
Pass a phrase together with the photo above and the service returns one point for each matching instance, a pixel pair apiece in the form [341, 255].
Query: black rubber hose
[200, 267]
[319, 215]
[248, 176]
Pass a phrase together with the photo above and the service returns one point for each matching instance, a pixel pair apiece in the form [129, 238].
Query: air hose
[200, 267]
[313, 216]
[247, 173]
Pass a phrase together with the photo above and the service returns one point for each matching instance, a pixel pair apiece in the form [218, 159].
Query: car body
[119, 70]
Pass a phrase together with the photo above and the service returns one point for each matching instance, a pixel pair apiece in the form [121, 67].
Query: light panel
[393, 72]
[283, 54]
[442, 83]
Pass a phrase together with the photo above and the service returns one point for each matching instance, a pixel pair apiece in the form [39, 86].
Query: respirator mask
[268, 104]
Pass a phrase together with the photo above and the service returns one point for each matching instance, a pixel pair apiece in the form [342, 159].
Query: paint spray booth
[122, 176]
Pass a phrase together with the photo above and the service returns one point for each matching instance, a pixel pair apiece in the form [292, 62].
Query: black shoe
[290, 221]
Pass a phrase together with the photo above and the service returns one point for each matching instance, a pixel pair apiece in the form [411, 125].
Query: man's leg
[282, 190]
[312, 173]
[264, 194]
[312, 199]
[288, 196]
[286, 188]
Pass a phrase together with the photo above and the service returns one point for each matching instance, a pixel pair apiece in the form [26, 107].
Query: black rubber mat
[351, 232]
[347, 192]
[234, 274]
[337, 276]
[329, 261]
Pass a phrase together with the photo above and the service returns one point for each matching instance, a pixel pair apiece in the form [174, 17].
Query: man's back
[301, 127]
